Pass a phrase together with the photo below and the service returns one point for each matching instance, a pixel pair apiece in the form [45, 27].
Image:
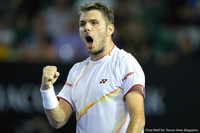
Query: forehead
[92, 14]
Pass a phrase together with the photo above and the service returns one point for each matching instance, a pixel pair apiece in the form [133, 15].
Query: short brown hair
[107, 12]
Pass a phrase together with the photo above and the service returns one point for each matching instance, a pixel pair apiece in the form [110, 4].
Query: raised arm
[57, 112]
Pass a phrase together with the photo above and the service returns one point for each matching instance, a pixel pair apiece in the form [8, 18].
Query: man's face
[93, 31]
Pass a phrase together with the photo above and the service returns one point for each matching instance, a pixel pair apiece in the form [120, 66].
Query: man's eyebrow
[82, 21]
[91, 20]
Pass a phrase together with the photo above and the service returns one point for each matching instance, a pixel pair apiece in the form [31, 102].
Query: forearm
[57, 117]
[57, 112]
[136, 124]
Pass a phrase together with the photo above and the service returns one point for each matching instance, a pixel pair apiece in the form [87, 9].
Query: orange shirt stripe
[121, 126]
[89, 106]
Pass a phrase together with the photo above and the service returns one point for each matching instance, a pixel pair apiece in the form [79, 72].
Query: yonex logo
[103, 81]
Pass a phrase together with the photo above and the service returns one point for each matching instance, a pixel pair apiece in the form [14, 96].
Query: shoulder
[125, 61]
[79, 65]
[122, 56]
[76, 70]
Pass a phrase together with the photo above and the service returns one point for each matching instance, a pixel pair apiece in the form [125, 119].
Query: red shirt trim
[132, 88]
[104, 55]
[66, 101]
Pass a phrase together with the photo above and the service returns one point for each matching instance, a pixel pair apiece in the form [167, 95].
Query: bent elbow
[56, 125]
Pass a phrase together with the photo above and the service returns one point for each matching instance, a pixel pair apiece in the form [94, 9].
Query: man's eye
[82, 24]
[94, 23]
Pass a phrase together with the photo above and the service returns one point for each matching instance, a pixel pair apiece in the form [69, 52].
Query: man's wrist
[45, 87]
[50, 100]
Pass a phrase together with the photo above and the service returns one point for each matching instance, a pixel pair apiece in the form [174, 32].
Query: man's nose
[87, 27]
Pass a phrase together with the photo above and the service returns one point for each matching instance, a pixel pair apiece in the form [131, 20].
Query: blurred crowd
[163, 32]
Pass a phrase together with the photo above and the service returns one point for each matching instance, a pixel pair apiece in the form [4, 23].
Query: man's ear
[110, 29]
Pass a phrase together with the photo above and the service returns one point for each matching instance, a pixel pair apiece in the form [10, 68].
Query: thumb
[57, 74]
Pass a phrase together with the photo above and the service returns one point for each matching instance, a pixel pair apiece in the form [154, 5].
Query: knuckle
[45, 76]
[54, 68]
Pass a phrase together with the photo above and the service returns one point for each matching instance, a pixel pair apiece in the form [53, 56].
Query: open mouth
[89, 39]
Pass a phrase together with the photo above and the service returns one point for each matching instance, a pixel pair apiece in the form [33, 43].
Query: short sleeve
[132, 74]
[66, 91]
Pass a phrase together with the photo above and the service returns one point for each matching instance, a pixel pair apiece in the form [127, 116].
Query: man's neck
[106, 51]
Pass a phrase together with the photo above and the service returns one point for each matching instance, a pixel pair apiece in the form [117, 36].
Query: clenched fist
[49, 77]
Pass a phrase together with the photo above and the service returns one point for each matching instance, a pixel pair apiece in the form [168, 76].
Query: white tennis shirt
[96, 91]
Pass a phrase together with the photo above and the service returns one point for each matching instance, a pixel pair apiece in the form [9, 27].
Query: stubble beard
[100, 49]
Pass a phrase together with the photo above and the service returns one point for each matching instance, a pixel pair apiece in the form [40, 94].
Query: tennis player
[106, 90]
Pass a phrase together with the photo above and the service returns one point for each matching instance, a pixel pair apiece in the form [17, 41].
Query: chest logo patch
[103, 81]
